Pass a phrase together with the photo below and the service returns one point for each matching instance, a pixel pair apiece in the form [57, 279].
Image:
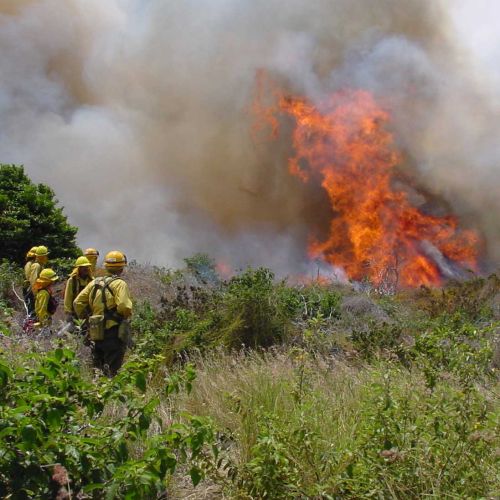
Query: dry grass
[333, 400]
[230, 387]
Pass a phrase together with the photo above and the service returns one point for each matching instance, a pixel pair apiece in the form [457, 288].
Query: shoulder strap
[102, 284]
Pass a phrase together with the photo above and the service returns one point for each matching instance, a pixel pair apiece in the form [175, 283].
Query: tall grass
[298, 426]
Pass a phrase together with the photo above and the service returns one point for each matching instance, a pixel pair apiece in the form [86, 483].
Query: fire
[344, 144]
[224, 269]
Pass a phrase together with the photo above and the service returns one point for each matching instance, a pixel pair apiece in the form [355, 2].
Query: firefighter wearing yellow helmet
[92, 254]
[79, 278]
[45, 303]
[106, 304]
[29, 298]
[41, 259]
[30, 259]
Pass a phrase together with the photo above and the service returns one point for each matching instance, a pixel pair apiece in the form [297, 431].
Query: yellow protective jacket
[35, 270]
[74, 286]
[117, 294]
[41, 307]
[27, 269]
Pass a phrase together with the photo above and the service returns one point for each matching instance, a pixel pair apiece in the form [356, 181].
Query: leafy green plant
[468, 298]
[455, 346]
[30, 216]
[251, 301]
[374, 338]
[412, 443]
[55, 423]
[309, 301]
[272, 471]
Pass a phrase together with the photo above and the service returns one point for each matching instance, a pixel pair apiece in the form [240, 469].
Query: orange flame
[344, 144]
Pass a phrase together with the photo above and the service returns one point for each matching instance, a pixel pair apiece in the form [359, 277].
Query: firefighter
[106, 304]
[41, 259]
[92, 254]
[80, 277]
[28, 296]
[45, 302]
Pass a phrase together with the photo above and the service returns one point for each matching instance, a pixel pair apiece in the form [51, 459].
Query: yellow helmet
[41, 251]
[31, 252]
[48, 275]
[115, 259]
[91, 251]
[82, 262]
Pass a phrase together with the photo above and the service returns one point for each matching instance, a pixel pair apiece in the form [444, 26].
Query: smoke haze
[137, 113]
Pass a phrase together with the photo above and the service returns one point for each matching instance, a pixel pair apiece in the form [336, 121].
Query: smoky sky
[137, 113]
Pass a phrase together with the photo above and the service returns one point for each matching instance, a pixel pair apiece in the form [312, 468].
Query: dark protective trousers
[108, 354]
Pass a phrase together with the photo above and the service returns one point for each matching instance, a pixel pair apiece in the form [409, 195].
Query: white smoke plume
[137, 113]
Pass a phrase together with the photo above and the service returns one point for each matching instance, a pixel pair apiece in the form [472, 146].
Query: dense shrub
[29, 216]
[10, 276]
[61, 432]
[470, 298]
[252, 305]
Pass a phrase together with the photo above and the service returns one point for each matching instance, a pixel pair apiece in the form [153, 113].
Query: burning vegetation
[344, 143]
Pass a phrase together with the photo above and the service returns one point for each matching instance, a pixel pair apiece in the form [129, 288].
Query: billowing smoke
[137, 113]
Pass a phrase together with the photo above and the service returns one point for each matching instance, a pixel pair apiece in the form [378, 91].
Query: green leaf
[140, 381]
[5, 374]
[196, 475]
[54, 418]
[93, 487]
[29, 434]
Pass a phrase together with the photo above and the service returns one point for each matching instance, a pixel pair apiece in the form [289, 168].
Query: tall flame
[344, 144]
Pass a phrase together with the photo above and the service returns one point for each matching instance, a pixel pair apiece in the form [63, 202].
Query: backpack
[52, 305]
[102, 284]
[76, 286]
[97, 322]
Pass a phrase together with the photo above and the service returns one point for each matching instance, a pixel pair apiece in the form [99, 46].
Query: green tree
[29, 216]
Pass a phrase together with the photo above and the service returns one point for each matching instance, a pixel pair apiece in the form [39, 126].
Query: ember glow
[344, 143]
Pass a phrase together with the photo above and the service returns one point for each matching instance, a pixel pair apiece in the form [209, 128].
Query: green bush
[246, 311]
[455, 346]
[309, 302]
[252, 305]
[377, 338]
[469, 298]
[60, 431]
[30, 216]
[10, 275]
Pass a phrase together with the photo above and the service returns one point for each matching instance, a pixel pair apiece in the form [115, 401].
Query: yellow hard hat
[115, 259]
[91, 251]
[48, 275]
[41, 251]
[82, 262]
[31, 252]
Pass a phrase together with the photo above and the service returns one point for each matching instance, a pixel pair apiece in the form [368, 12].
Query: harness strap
[102, 284]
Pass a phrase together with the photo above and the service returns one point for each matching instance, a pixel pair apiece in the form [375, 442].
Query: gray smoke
[137, 113]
